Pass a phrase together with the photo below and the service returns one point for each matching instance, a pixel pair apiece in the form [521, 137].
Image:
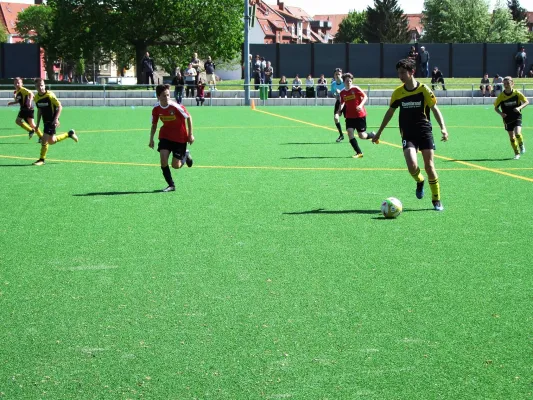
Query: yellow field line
[496, 171]
[241, 167]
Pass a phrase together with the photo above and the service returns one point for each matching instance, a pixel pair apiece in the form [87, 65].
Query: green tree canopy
[470, 21]
[351, 28]
[35, 23]
[3, 34]
[385, 23]
[179, 28]
[519, 13]
[504, 29]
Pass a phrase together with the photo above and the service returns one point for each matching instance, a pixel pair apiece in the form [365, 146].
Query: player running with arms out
[173, 135]
[49, 109]
[336, 86]
[352, 101]
[511, 102]
[24, 98]
[414, 99]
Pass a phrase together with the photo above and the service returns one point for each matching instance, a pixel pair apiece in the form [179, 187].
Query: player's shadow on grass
[16, 165]
[482, 159]
[370, 212]
[324, 211]
[311, 158]
[11, 143]
[115, 193]
[306, 143]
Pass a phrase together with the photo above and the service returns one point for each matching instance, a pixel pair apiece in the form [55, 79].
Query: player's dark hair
[161, 88]
[38, 81]
[17, 78]
[406, 64]
[346, 75]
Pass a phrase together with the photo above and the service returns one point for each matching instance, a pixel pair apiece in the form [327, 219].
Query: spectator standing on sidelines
[148, 68]
[210, 76]
[269, 74]
[190, 81]
[521, 61]
[195, 62]
[423, 61]
[179, 85]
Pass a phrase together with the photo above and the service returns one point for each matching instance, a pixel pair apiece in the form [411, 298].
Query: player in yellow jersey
[415, 99]
[511, 102]
[24, 98]
[49, 109]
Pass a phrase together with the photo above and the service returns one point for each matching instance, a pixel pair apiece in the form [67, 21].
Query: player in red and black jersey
[25, 117]
[174, 135]
[414, 99]
[352, 100]
[511, 102]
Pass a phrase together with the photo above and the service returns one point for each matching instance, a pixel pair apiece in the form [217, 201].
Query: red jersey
[352, 98]
[173, 117]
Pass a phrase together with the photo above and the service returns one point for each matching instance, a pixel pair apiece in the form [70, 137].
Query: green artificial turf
[269, 273]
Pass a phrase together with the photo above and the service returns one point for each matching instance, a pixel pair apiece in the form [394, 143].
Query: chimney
[280, 5]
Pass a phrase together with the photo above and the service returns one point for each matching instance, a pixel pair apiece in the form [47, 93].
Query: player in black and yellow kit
[49, 109]
[414, 99]
[511, 102]
[24, 98]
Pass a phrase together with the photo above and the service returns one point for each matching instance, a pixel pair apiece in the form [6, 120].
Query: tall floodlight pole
[246, 53]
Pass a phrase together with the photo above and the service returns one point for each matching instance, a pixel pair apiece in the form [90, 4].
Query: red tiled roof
[9, 13]
[297, 12]
[415, 22]
[335, 20]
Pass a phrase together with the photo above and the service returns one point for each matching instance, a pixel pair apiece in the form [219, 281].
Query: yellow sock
[61, 137]
[26, 127]
[417, 176]
[435, 189]
[519, 139]
[44, 150]
[514, 146]
[38, 132]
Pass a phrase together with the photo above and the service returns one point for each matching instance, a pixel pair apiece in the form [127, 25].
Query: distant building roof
[415, 22]
[9, 13]
[335, 20]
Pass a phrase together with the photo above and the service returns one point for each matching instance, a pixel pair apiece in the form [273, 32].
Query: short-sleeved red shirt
[352, 98]
[173, 117]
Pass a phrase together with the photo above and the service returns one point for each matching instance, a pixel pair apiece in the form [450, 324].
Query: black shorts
[509, 126]
[423, 142]
[25, 114]
[49, 128]
[177, 149]
[337, 105]
[359, 124]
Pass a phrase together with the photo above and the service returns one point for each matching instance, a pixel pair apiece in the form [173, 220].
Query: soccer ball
[391, 207]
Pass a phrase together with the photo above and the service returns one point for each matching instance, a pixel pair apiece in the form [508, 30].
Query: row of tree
[89, 32]
[444, 21]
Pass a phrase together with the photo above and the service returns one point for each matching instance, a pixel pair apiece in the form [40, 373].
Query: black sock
[167, 175]
[338, 125]
[355, 145]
